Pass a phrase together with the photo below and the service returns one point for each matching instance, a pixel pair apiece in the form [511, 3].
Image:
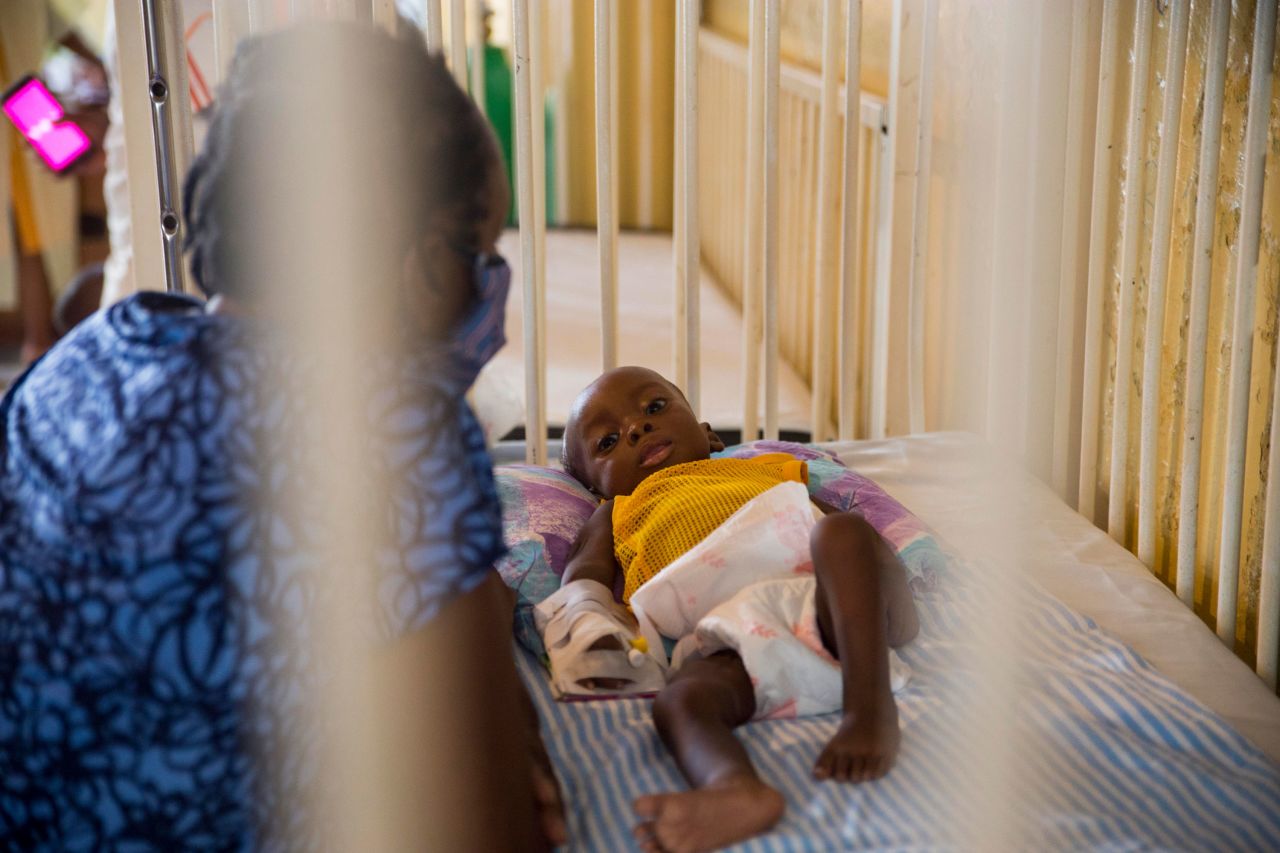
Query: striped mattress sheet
[1085, 747]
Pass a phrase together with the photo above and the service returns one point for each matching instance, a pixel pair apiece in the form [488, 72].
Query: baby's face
[629, 423]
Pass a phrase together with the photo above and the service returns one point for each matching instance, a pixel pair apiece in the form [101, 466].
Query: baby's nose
[638, 430]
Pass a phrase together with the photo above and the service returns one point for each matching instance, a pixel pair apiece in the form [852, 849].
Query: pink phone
[40, 119]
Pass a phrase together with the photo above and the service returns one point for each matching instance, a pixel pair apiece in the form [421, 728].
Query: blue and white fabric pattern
[147, 576]
[1102, 752]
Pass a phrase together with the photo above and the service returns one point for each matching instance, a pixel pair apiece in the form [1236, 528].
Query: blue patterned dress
[145, 693]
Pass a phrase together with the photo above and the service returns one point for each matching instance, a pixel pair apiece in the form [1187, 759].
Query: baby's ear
[716, 444]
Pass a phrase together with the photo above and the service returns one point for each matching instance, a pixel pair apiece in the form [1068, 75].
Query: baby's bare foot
[707, 818]
[864, 746]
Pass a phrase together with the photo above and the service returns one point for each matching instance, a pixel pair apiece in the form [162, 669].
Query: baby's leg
[864, 607]
[696, 714]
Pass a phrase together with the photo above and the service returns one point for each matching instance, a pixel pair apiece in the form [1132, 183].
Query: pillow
[832, 483]
[542, 511]
[544, 508]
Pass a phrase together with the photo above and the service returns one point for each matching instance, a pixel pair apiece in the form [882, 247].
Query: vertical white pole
[477, 55]
[384, 14]
[435, 26]
[827, 235]
[772, 29]
[1246, 274]
[850, 261]
[535, 411]
[1198, 318]
[753, 263]
[1269, 590]
[920, 228]
[1068, 280]
[538, 107]
[1130, 241]
[230, 23]
[690, 12]
[458, 41]
[1091, 402]
[680, 355]
[259, 15]
[884, 238]
[606, 183]
[1157, 272]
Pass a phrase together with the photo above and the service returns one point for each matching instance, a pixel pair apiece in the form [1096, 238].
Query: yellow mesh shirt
[676, 508]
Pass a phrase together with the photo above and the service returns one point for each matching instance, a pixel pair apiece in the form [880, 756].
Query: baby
[631, 424]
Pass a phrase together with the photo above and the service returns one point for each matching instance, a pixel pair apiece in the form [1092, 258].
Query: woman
[157, 604]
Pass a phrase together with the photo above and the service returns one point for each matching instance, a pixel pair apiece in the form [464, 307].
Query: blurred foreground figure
[216, 516]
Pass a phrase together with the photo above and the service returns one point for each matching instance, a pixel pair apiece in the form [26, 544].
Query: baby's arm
[592, 556]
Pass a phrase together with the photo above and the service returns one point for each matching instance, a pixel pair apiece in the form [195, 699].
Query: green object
[499, 83]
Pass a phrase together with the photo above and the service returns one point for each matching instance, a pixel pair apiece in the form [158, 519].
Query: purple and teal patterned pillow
[543, 509]
[832, 483]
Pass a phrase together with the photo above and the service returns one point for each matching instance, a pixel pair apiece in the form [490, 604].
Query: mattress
[646, 333]
[1130, 725]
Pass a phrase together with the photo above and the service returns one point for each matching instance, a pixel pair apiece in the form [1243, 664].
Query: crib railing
[1188, 476]
[1187, 472]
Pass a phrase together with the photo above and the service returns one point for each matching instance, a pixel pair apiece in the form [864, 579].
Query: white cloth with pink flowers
[749, 586]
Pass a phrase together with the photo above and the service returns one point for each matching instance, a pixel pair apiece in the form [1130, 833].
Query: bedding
[544, 508]
[1109, 751]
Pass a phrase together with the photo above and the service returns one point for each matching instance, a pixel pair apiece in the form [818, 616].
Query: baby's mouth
[656, 453]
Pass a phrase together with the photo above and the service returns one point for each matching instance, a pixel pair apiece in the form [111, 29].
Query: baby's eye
[656, 406]
[607, 442]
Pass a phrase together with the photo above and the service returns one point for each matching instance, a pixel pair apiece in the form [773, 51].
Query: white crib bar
[920, 228]
[1269, 587]
[688, 297]
[230, 24]
[458, 41]
[1130, 241]
[1070, 264]
[384, 14]
[772, 30]
[884, 237]
[477, 56]
[1091, 401]
[1198, 318]
[1246, 274]
[606, 181]
[847, 338]
[435, 25]
[753, 263]
[825, 235]
[537, 18]
[1157, 272]
[259, 15]
[527, 202]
